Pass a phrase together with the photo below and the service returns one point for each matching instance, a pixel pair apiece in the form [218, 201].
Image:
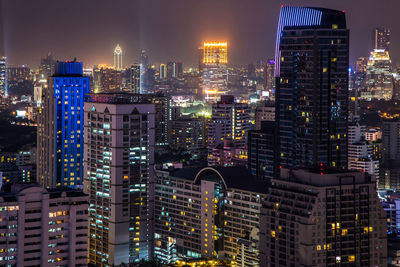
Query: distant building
[215, 70]
[311, 214]
[227, 154]
[144, 67]
[229, 120]
[187, 134]
[381, 38]
[379, 81]
[263, 151]
[110, 80]
[118, 58]
[373, 135]
[18, 74]
[60, 128]
[47, 67]
[163, 71]
[208, 212]
[269, 78]
[134, 79]
[389, 177]
[43, 227]
[3, 76]
[119, 177]
[265, 111]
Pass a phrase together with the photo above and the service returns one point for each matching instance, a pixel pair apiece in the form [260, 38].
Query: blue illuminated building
[60, 128]
[312, 61]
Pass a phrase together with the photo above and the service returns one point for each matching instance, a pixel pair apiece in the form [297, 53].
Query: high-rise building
[60, 127]
[228, 154]
[389, 177]
[361, 64]
[215, 70]
[269, 78]
[229, 120]
[163, 71]
[311, 66]
[379, 82]
[208, 212]
[43, 227]
[322, 217]
[118, 58]
[96, 79]
[16, 74]
[144, 67]
[381, 38]
[119, 175]
[263, 151]
[47, 67]
[187, 134]
[3, 76]
[134, 79]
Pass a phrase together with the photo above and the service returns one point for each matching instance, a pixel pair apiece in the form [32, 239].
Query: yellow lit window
[273, 233]
[352, 258]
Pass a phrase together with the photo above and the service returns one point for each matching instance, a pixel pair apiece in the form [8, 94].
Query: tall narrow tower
[60, 127]
[118, 58]
[311, 69]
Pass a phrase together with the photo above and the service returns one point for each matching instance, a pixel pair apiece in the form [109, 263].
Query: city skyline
[250, 28]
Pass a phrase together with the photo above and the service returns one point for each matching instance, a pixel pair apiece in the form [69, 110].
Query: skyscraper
[118, 58]
[3, 74]
[60, 127]
[322, 217]
[378, 81]
[47, 67]
[134, 77]
[144, 66]
[163, 71]
[119, 177]
[215, 70]
[381, 38]
[269, 78]
[311, 63]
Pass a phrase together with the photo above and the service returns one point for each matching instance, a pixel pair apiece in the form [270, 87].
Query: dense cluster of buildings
[296, 187]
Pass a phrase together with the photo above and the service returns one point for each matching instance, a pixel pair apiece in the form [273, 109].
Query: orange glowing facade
[214, 68]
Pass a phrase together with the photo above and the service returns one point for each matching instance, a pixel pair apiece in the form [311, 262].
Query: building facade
[209, 212]
[118, 58]
[119, 158]
[3, 76]
[322, 217]
[311, 66]
[43, 227]
[215, 70]
[60, 128]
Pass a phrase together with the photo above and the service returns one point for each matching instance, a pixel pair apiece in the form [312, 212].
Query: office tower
[171, 70]
[134, 79]
[3, 76]
[110, 80]
[269, 78]
[178, 70]
[60, 127]
[389, 177]
[229, 120]
[209, 213]
[215, 70]
[311, 66]
[263, 151]
[119, 175]
[265, 111]
[47, 67]
[96, 79]
[381, 38]
[187, 134]
[322, 217]
[163, 71]
[391, 204]
[144, 66]
[118, 58]
[378, 82]
[43, 227]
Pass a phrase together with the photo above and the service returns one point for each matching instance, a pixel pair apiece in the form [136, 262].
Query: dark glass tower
[312, 59]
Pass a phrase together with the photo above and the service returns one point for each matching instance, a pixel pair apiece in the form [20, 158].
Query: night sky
[169, 29]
